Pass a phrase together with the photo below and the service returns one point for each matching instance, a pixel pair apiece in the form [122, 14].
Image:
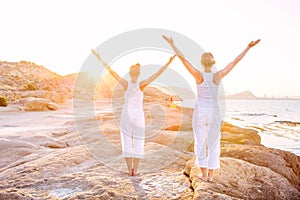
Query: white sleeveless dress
[132, 122]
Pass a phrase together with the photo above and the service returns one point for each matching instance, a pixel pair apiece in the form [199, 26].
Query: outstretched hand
[171, 59]
[96, 54]
[99, 58]
[253, 43]
[169, 40]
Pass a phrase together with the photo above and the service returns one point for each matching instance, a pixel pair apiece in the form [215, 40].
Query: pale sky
[60, 34]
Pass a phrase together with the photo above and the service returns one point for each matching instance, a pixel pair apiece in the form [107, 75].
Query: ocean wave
[237, 119]
[292, 133]
[258, 114]
[288, 123]
[257, 128]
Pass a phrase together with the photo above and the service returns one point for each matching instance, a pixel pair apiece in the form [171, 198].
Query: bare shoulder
[142, 85]
[199, 77]
[124, 84]
[217, 78]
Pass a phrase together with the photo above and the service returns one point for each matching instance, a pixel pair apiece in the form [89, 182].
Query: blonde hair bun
[207, 59]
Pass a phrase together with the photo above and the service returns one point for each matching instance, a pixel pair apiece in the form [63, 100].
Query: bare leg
[135, 166]
[129, 165]
[210, 175]
[203, 176]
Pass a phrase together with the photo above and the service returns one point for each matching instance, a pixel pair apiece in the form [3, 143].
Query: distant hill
[242, 95]
[26, 79]
[16, 75]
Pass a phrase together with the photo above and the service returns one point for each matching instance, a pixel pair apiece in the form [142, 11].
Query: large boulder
[284, 163]
[238, 135]
[238, 179]
[39, 104]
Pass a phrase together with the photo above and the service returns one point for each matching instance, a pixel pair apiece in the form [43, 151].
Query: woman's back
[207, 92]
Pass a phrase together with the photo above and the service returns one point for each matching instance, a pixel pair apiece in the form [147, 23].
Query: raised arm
[122, 81]
[146, 82]
[223, 72]
[193, 71]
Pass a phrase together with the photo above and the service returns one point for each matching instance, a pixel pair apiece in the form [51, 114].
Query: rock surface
[238, 179]
[39, 104]
[248, 170]
[52, 159]
[73, 152]
[67, 156]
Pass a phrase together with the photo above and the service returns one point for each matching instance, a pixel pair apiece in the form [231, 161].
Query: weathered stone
[238, 179]
[39, 104]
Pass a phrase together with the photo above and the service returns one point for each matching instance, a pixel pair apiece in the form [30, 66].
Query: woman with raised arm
[206, 117]
[132, 120]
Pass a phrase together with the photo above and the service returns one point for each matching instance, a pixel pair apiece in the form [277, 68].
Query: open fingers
[257, 41]
[169, 40]
[253, 43]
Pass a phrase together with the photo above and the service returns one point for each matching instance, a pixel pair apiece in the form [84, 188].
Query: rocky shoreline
[53, 147]
[52, 155]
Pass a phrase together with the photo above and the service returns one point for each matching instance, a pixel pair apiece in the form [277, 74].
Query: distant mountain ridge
[14, 76]
[242, 95]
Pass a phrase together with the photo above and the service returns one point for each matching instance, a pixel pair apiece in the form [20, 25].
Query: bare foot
[203, 178]
[134, 173]
[130, 173]
[210, 179]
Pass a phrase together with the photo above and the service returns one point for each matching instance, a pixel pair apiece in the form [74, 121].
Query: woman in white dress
[132, 122]
[206, 117]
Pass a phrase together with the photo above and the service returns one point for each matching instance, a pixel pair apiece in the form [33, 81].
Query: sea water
[277, 121]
